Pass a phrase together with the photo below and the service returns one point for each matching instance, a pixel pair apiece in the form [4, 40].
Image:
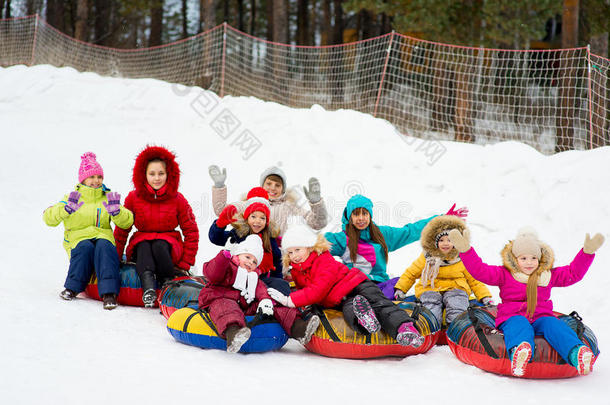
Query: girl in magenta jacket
[525, 282]
[320, 279]
[233, 291]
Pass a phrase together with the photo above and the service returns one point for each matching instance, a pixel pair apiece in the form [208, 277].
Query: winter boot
[149, 295]
[68, 295]
[521, 357]
[582, 358]
[409, 336]
[109, 301]
[364, 313]
[303, 330]
[236, 337]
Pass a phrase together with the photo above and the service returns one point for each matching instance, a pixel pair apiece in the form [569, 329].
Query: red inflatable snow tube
[473, 339]
[334, 338]
[131, 288]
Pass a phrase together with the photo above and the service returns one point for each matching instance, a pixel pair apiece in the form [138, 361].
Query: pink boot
[409, 336]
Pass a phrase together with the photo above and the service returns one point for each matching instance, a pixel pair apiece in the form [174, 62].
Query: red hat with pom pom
[258, 200]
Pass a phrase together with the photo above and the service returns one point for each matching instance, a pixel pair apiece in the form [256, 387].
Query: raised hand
[73, 205]
[459, 240]
[226, 217]
[460, 212]
[114, 203]
[592, 244]
[313, 194]
[217, 176]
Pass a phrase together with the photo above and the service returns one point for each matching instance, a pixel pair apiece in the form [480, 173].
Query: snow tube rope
[480, 334]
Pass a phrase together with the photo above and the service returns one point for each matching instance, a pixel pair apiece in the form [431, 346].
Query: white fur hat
[527, 243]
[299, 236]
[252, 244]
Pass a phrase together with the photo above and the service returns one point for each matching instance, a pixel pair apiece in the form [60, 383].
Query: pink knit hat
[89, 167]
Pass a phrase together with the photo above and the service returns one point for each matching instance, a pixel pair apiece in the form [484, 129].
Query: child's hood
[433, 228]
[172, 168]
[547, 259]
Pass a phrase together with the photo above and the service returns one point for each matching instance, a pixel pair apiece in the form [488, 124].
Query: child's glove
[280, 298]
[399, 295]
[114, 203]
[459, 240]
[592, 244]
[73, 205]
[241, 278]
[249, 293]
[265, 307]
[487, 301]
[226, 216]
[217, 176]
[460, 212]
[313, 194]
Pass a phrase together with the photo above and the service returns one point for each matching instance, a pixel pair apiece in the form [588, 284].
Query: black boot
[149, 293]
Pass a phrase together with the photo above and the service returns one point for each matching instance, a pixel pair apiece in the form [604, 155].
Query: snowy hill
[74, 352]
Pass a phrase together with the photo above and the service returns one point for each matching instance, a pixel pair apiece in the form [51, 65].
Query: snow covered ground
[55, 351]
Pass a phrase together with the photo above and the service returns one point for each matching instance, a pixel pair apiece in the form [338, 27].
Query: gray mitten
[217, 176]
[313, 194]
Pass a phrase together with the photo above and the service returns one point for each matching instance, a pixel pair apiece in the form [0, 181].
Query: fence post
[34, 42]
[385, 66]
[590, 96]
[224, 54]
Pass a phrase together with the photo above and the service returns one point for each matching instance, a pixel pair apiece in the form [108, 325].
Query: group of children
[262, 251]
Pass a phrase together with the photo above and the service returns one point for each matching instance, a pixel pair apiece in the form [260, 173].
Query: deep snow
[55, 351]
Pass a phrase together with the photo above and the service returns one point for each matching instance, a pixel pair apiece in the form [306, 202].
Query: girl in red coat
[158, 208]
[233, 290]
[320, 279]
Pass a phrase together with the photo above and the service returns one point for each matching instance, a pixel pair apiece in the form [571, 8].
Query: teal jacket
[90, 221]
[370, 258]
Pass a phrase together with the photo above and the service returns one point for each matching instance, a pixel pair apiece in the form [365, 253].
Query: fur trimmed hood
[545, 265]
[243, 229]
[170, 189]
[436, 226]
[322, 245]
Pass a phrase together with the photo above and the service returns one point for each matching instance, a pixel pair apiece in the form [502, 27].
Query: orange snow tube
[335, 338]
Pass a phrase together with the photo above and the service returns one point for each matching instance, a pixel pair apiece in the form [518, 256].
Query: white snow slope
[59, 352]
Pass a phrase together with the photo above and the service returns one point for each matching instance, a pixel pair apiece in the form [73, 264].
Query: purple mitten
[73, 205]
[114, 203]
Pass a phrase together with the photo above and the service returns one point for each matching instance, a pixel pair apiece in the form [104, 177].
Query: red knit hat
[258, 200]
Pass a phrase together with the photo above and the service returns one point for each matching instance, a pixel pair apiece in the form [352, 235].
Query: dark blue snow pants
[98, 254]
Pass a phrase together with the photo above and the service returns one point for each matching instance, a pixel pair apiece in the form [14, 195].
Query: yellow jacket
[449, 278]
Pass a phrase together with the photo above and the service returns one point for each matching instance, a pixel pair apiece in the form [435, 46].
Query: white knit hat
[274, 170]
[299, 236]
[252, 244]
[527, 243]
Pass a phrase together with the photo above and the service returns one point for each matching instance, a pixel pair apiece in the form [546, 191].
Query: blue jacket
[370, 258]
[220, 236]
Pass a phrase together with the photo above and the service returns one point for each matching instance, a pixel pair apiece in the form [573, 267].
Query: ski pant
[556, 332]
[454, 301]
[225, 311]
[279, 284]
[155, 256]
[90, 254]
[390, 316]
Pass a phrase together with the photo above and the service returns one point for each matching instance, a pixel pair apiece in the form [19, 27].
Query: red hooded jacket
[321, 279]
[157, 213]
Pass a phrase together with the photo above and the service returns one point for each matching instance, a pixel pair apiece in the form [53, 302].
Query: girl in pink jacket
[525, 283]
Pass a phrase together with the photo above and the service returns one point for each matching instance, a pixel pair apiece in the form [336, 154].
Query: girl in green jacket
[86, 213]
